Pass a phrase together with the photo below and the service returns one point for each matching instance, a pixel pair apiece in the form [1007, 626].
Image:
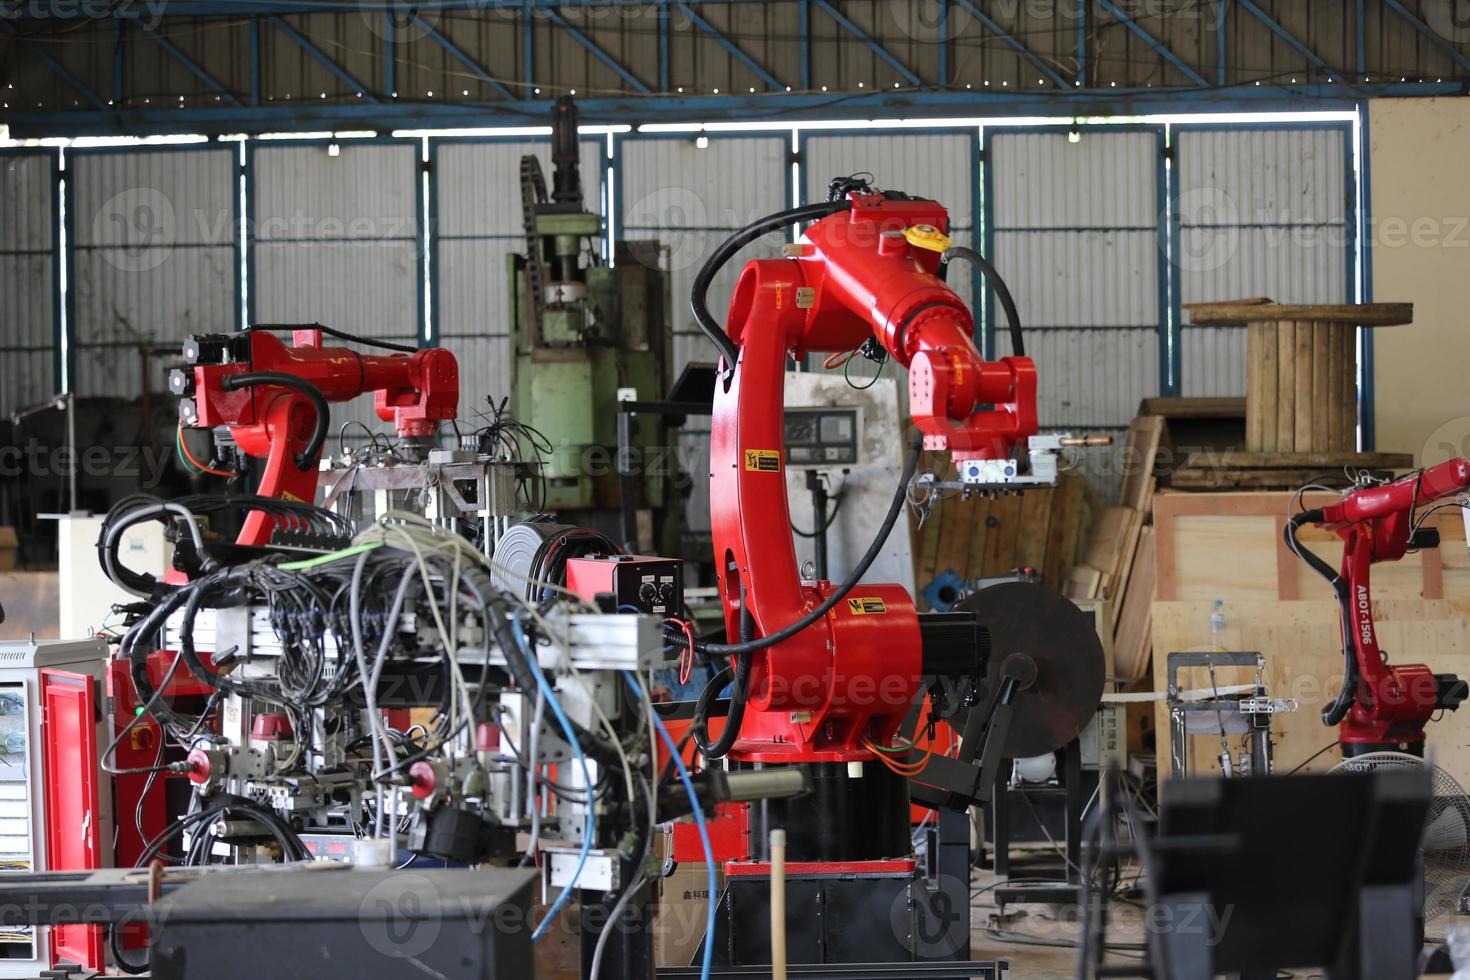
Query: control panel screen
[822, 437]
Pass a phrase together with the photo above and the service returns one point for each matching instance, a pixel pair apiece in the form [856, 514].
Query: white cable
[611, 733]
[612, 918]
[355, 612]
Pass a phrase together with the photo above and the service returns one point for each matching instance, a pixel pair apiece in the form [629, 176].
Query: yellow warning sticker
[866, 607]
[763, 460]
[288, 495]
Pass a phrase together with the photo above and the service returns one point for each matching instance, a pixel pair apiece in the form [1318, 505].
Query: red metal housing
[855, 275]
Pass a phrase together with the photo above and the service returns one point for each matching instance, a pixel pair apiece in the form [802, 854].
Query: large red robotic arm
[1382, 706]
[866, 271]
[274, 399]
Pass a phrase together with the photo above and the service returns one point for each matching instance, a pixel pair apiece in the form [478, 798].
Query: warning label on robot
[763, 460]
[866, 607]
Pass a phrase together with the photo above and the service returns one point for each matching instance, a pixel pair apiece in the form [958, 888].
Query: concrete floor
[1031, 962]
[1028, 961]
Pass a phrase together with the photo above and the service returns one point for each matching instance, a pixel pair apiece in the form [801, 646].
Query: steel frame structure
[923, 86]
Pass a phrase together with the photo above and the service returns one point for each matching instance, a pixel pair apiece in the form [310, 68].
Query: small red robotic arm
[274, 398]
[1382, 706]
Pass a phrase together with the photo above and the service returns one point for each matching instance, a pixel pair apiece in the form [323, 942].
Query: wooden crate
[1213, 470]
[1229, 546]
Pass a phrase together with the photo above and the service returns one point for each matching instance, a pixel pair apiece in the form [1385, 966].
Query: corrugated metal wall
[691, 199]
[1262, 211]
[28, 301]
[1073, 226]
[1075, 234]
[152, 235]
[335, 240]
[477, 223]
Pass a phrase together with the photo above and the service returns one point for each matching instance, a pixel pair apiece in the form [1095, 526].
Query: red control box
[639, 583]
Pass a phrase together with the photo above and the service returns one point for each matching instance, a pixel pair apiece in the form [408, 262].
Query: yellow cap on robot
[927, 236]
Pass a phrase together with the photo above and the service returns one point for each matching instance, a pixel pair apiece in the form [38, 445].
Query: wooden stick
[778, 904]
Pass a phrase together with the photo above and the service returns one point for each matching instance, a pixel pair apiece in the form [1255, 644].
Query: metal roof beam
[1154, 43]
[56, 67]
[729, 46]
[158, 9]
[1434, 36]
[883, 53]
[459, 55]
[1291, 39]
[1015, 45]
[784, 109]
[321, 58]
[189, 63]
[596, 51]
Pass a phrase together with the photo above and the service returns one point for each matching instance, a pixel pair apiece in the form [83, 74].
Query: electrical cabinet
[55, 801]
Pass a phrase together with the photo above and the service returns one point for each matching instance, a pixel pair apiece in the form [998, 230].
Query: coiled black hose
[1336, 710]
[699, 292]
[1002, 291]
[305, 460]
[739, 670]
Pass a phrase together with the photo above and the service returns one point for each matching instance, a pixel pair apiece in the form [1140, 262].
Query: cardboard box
[680, 912]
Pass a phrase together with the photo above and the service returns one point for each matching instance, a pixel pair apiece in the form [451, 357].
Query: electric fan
[1445, 845]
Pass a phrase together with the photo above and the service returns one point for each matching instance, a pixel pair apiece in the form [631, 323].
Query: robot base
[845, 915]
[853, 907]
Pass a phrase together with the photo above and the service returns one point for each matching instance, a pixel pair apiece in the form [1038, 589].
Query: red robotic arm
[868, 271]
[275, 398]
[1382, 706]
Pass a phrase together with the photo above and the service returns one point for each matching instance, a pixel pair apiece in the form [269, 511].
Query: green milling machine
[589, 334]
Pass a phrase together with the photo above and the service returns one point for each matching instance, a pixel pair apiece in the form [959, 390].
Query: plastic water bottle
[1217, 626]
[1458, 941]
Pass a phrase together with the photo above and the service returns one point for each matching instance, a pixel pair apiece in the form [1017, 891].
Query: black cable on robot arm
[306, 459]
[1002, 291]
[332, 332]
[895, 508]
[699, 292]
[1335, 710]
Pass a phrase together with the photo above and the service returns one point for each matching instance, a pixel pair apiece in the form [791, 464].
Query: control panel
[638, 583]
[822, 437]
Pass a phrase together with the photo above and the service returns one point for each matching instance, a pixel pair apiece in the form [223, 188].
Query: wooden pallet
[1279, 471]
[1044, 529]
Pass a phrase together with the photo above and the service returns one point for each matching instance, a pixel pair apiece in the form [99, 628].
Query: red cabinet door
[70, 783]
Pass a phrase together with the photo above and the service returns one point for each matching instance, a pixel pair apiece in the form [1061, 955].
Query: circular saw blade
[1062, 640]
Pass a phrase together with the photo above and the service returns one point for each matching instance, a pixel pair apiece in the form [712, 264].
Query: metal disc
[1024, 617]
[517, 553]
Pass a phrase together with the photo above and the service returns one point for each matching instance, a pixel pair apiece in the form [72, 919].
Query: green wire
[895, 751]
[179, 448]
[847, 364]
[357, 549]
